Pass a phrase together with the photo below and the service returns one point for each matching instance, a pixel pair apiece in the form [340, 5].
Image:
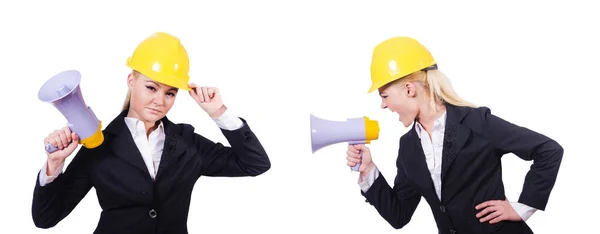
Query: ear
[130, 81]
[410, 89]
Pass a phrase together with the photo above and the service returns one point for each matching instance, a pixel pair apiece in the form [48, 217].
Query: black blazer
[131, 201]
[474, 142]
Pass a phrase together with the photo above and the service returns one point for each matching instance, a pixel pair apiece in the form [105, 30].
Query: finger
[58, 140]
[353, 154]
[193, 92]
[352, 159]
[352, 149]
[487, 210]
[73, 143]
[486, 204]
[63, 139]
[75, 137]
[205, 93]
[215, 92]
[363, 147]
[498, 219]
[491, 216]
[358, 146]
[210, 91]
[50, 140]
[66, 135]
[202, 94]
[350, 164]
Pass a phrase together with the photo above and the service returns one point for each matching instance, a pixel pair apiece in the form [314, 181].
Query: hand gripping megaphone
[64, 93]
[353, 130]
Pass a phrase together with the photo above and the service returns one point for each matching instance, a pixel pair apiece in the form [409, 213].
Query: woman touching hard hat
[147, 166]
[451, 156]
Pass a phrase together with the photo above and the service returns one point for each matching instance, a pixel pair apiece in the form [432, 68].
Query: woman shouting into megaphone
[451, 156]
[147, 166]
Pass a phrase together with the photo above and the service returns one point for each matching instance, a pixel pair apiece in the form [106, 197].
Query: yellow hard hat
[397, 57]
[162, 58]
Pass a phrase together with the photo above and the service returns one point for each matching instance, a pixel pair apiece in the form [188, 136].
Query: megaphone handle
[50, 148]
[357, 166]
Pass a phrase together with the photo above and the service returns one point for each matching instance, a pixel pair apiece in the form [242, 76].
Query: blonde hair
[127, 101]
[439, 87]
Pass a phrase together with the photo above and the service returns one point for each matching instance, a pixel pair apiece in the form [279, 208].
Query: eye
[171, 94]
[150, 88]
[384, 96]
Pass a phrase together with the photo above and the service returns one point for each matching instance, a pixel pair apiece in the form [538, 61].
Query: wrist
[218, 112]
[367, 170]
[52, 165]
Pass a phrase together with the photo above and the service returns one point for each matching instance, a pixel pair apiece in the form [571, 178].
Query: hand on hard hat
[209, 99]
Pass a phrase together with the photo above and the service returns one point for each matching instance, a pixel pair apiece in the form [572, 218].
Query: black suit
[131, 201]
[474, 142]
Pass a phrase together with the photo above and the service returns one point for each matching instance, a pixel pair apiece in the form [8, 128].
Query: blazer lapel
[173, 147]
[123, 144]
[455, 136]
[416, 158]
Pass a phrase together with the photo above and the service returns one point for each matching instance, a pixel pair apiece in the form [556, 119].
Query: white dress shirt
[432, 148]
[151, 147]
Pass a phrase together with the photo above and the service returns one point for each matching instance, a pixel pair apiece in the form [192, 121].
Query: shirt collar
[438, 125]
[137, 127]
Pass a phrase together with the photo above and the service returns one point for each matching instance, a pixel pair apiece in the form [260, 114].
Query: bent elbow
[557, 152]
[259, 170]
[43, 223]
[43, 219]
[399, 222]
[398, 225]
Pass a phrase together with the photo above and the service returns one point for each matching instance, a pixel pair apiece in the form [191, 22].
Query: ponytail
[127, 100]
[439, 87]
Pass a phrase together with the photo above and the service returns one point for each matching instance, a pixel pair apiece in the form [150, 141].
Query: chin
[406, 125]
[152, 117]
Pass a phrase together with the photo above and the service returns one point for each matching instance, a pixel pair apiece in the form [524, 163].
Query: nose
[159, 99]
[383, 104]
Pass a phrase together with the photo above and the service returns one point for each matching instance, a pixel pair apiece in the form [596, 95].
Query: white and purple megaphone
[353, 130]
[63, 92]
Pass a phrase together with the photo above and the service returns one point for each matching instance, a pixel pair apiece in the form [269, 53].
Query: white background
[534, 64]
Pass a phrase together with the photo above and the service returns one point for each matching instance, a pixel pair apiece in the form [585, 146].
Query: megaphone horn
[64, 93]
[353, 130]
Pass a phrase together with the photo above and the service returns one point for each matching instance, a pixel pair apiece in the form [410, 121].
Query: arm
[44, 178]
[524, 211]
[528, 145]
[245, 157]
[396, 205]
[52, 202]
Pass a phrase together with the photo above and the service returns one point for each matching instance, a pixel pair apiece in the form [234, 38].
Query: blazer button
[144, 192]
[152, 213]
[452, 231]
[443, 208]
